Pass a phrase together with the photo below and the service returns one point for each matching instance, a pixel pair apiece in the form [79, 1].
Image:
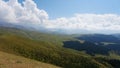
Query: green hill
[46, 48]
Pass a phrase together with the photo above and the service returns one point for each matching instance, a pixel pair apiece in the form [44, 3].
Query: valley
[61, 50]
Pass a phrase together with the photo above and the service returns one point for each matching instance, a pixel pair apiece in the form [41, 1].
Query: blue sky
[67, 8]
[97, 16]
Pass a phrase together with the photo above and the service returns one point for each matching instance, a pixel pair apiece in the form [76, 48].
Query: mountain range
[62, 50]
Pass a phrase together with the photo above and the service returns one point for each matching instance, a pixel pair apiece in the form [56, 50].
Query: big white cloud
[13, 12]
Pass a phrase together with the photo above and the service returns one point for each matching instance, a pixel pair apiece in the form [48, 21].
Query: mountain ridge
[46, 48]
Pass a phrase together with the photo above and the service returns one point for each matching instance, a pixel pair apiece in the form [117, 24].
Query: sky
[72, 16]
[67, 8]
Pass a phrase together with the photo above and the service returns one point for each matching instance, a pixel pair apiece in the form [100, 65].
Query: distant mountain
[98, 38]
[95, 44]
[2, 24]
[116, 35]
[43, 29]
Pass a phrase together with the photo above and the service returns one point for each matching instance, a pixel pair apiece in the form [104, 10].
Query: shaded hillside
[116, 35]
[88, 47]
[114, 47]
[107, 42]
[112, 63]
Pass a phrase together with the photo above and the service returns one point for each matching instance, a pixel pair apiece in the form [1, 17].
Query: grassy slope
[45, 48]
[13, 61]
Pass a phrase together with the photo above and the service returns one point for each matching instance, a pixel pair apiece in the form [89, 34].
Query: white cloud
[14, 12]
[90, 22]
[28, 13]
[6, 12]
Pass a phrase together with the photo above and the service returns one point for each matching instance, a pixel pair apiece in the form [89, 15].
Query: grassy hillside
[45, 52]
[47, 48]
[34, 35]
[13, 61]
[40, 47]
